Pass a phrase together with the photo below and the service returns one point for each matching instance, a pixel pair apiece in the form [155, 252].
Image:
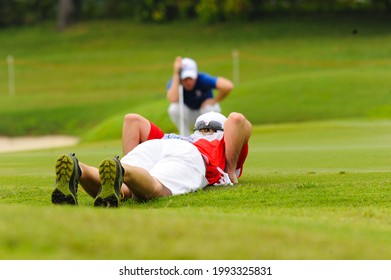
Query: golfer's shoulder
[206, 80]
[205, 76]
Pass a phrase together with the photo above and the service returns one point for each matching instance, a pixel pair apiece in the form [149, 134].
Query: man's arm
[173, 91]
[237, 132]
[224, 87]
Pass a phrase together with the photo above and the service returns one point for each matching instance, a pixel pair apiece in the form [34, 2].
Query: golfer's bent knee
[236, 117]
[132, 117]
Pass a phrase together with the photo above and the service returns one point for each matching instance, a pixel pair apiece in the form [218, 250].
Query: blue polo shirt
[203, 89]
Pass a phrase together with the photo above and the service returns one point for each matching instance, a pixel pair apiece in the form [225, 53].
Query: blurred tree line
[21, 12]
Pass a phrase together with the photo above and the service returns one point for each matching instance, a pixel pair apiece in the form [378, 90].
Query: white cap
[207, 118]
[189, 68]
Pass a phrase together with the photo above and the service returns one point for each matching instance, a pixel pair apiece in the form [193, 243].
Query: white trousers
[177, 164]
[190, 115]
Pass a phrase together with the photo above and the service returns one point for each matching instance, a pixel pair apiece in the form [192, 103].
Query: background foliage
[82, 81]
[17, 12]
[316, 183]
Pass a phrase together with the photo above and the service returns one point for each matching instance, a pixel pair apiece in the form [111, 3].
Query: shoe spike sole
[107, 173]
[64, 169]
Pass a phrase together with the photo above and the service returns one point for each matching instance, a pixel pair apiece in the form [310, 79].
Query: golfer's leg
[237, 131]
[192, 116]
[142, 184]
[211, 108]
[135, 131]
[173, 111]
[89, 179]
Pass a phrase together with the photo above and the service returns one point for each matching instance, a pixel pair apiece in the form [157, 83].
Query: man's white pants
[190, 115]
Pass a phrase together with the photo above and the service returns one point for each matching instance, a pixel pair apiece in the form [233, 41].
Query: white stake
[235, 63]
[11, 74]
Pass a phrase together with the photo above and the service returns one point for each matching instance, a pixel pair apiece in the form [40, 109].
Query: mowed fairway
[316, 184]
[318, 190]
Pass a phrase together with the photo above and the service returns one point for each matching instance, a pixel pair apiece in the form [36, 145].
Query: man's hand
[209, 101]
[172, 92]
[233, 177]
[177, 64]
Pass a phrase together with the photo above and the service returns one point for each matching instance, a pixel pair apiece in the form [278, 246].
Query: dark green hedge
[21, 12]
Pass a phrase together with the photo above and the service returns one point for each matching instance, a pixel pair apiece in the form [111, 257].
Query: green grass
[290, 70]
[323, 194]
[317, 181]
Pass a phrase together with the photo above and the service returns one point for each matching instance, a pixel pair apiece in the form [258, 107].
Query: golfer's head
[189, 73]
[210, 123]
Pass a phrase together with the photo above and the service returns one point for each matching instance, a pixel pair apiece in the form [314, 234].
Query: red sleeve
[156, 132]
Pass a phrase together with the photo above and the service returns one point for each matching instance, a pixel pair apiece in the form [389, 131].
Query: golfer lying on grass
[157, 164]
